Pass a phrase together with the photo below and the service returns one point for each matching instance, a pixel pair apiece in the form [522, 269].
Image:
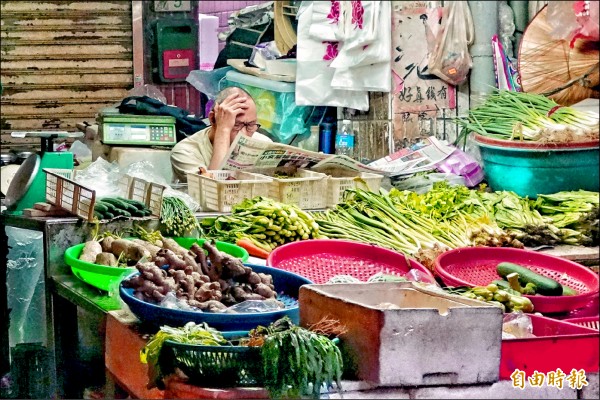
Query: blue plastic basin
[529, 169]
[287, 285]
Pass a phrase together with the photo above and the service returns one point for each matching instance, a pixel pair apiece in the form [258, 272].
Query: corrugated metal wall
[61, 62]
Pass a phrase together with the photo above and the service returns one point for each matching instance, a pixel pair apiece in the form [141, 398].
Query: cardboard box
[400, 334]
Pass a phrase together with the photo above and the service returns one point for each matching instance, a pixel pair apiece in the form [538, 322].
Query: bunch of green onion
[523, 116]
[177, 217]
[446, 217]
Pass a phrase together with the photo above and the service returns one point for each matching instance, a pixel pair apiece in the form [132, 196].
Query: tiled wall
[222, 9]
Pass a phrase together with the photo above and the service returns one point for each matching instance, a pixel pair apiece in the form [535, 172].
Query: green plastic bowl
[106, 278]
[100, 276]
[530, 168]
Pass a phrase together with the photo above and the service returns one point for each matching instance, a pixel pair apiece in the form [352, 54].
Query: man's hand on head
[226, 112]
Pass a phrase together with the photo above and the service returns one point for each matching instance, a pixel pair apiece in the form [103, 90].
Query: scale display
[138, 130]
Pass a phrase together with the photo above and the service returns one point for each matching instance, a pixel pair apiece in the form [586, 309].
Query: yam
[171, 259]
[129, 249]
[190, 260]
[200, 257]
[265, 291]
[91, 249]
[211, 306]
[106, 259]
[148, 246]
[208, 291]
[170, 244]
[107, 244]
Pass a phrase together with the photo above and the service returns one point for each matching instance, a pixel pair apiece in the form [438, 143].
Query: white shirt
[196, 151]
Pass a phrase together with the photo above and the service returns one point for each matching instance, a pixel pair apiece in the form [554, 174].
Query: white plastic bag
[450, 59]
[363, 62]
[313, 72]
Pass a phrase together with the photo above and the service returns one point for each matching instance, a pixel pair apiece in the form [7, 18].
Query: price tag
[170, 6]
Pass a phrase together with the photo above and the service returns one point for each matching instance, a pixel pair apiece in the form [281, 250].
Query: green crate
[214, 366]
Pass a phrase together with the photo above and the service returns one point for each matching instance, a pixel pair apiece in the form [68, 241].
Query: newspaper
[246, 153]
[419, 157]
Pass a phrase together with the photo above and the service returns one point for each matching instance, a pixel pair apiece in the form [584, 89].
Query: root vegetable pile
[210, 282]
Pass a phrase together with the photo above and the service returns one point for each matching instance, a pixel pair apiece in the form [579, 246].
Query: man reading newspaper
[233, 113]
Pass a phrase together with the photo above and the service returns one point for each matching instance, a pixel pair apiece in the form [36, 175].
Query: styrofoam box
[429, 338]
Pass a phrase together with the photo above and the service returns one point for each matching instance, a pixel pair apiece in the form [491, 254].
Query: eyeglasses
[250, 126]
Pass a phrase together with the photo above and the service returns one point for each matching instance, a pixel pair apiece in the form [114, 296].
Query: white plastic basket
[339, 182]
[149, 193]
[218, 193]
[306, 189]
[64, 192]
[69, 195]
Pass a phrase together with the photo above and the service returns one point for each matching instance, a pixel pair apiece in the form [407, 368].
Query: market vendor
[234, 112]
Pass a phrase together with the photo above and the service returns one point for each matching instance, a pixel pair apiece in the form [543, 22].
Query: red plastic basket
[558, 344]
[321, 259]
[588, 322]
[472, 266]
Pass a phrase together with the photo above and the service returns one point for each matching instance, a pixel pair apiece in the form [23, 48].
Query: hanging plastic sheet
[506, 73]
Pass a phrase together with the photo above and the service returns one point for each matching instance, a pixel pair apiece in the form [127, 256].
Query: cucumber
[118, 203]
[100, 207]
[110, 208]
[138, 204]
[137, 213]
[99, 215]
[109, 215]
[567, 291]
[123, 213]
[545, 286]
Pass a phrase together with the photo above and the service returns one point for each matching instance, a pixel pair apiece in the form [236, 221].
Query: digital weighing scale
[137, 130]
[28, 185]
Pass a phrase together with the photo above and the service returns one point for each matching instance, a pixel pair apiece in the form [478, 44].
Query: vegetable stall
[271, 299]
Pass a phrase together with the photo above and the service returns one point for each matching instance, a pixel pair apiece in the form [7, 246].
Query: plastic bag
[507, 27]
[148, 90]
[572, 20]
[450, 59]
[314, 74]
[505, 71]
[103, 177]
[263, 52]
[561, 18]
[462, 164]
[249, 306]
[517, 325]
[423, 183]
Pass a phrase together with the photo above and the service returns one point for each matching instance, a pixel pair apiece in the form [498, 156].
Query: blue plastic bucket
[529, 169]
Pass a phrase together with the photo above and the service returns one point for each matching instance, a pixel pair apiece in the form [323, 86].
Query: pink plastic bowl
[321, 259]
[476, 266]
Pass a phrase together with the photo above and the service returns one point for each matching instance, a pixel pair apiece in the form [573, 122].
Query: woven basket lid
[547, 64]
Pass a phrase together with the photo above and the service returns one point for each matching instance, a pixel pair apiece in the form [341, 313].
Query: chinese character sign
[415, 89]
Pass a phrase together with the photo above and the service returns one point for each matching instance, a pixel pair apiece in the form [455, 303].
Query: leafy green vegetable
[191, 333]
[298, 362]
